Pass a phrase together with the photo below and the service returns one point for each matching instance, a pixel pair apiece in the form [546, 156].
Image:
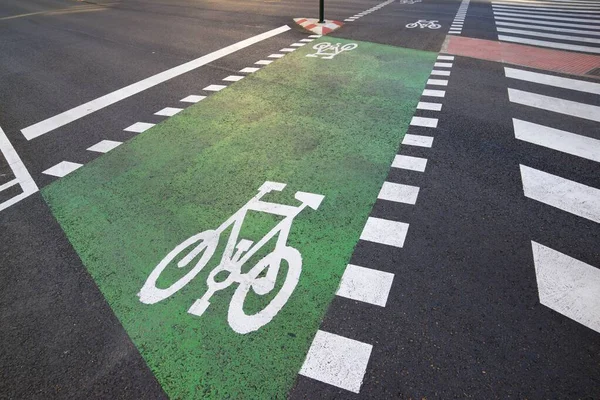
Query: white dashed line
[139, 127]
[425, 122]
[214, 88]
[440, 73]
[423, 105]
[264, 62]
[192, 99]
[168, 111]
[62, 169]
[417, 140]
[288, 50]
[437, 82]
[233, 78]
[104, 146]
[410, 163]
[366, 285]
[434, 93]
[398, 193]
[278, 55]
[383, 231]
[442, 65]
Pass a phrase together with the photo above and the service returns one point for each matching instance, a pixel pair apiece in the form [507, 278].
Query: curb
[313, 25]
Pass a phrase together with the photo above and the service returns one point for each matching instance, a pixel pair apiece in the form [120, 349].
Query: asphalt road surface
[476, 125]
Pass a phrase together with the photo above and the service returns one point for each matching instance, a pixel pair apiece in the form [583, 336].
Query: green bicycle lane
[324, 126]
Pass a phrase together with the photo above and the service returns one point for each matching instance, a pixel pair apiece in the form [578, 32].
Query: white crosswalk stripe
[559, 25]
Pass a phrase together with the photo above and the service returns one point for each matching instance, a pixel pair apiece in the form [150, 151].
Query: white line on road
[555, 104]
[168, 111]
[437, 82]
[104, 146]
[440, 73]
[446, 58]
[288, 50]
[424, 105]
[547, 17]
[249, 70]
[398, 193]
[548, 35]
[551, 80]
[193, 98]
[277, 55]
[549, 11]
[417, 140]
[78, 112]
[9, 184]
[434, 93]
[366, 285]
[19, 171]
[561, 193]
[263, 62]
[139, 127]
[548, 28]
[535, 24]
[410, 163]
[62, 169]
[383, 231]
[425, 122]
[233, 78]
[442, 65]
[214, 88]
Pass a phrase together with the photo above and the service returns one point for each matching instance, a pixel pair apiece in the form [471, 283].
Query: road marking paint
[383, 231]
[548, 28]
[19, 170]
[567, 285]
[139, 127]
[90, 107]
[540, 14]
[399, 193]
[440, 73]
[555, 104]
[297, 44]
[104, 146]
[337, 360]
[350, 19]
[438, 82]
[314, 36]
[545, 10]
[434, 93]
[410, 163]
[561, 193]
[551, 80]
[306, 40]
[546, 17]
[423, 121]
[264, 62]
[233, 78]
[287, 50]
[62, 168]
[423, 105]
[536, 23]
[9, 184]
[193, 98]
[214, 88]
[442, 65]
[366, 285]
[567, 142]
[451, 32]
[535, 5]
[417, 140]
[548, 35]
[278, 55]
[249, 70]
[168, 111]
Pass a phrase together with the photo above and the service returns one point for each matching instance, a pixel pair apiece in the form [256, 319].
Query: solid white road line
[561, 193]
[366, 285]
[249, 70]
[548, 28]
[567, 142]
[139, 127]
[168, 111]
[193, 98]
[423, 105]
[61, 169]
[383, 231]
[410, 163]
[398, 193]
[567, 285]
[548, 18]
[440, 73]
[214, 88]
[417, 140]
[434, 93]
[78, 112]
[442, 65]
[104, 146]
[548, 11]
[438, 82]
[233, 78]
[535, 24]
[9, 184]
[548, 4]
[425, 122]
[19, 171]
[555, 104]
[551, 80]
[263, 62]
[337, 361]
[548, 35]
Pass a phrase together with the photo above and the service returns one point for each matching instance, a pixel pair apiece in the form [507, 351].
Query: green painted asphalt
[330, 127]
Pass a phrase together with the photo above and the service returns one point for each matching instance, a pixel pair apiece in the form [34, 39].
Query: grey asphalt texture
[463, 319]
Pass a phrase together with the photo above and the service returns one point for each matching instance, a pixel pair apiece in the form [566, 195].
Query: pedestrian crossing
[558, 24]
[561, 283]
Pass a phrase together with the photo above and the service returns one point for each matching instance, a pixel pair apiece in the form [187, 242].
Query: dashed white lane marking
[19, 170]
[314, 36]
[399, 193]
[306, 40]
[567, 285]
[556, 139]
[546, 17]
[442, 65]
[445, 58]
[193, 99]
[555, 104]
[278, 55]
[548, 28]
[337, 360]
[417, 140]
[561, 193]
[434, 93]
[425, 122]
[437, 82]
[383, 231]
[214, 88]
[90, 107]
[287, 50]
[551, 80]
[168, 111]
[424, 105]
[366, 285]
[410, 163]
[440, 73]
[263, 62]
[249, 70]
[61, 169]
[139, 127]
[104, 146]
[542, 22]
[233, 78]
[545, 43]
[297, 44]
[548, 35]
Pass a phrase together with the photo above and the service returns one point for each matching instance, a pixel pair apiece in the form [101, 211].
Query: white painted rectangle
[551, 80]
[555, 104]
[548, 28]
[214, 88]
[445, 58]
[104, 146]
[556, 139]
[398, 193]
[383, 231]
[337, 361]
[249, 70]
[438, 82]
[288, 50]
[425, 122]
[417, 140]
[193, 98]
[139, 127]
[278, 55]
[233, 78]
[545, 43]
[440, 73]
[263, 62]
[442, 65]
[548, 35]
[306, 40]
[366, 285]
[61, 169]
[410, 163]
[561, 193]
[424, 105]
[168, 111]
[434, 93]
[546, 17]
[314, 36]
[297, 44]
[537, 23]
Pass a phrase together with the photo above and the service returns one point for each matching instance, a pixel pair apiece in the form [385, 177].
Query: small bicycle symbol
[423, 23]
[204, 244]
[327, 51]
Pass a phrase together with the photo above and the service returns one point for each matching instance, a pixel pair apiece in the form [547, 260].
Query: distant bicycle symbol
[423, 23]
[327, 51]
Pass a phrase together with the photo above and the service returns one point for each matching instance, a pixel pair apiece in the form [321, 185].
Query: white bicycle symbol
[327, 51]
[423, 23]
[204, 245]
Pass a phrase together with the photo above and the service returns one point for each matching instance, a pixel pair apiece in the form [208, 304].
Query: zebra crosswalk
[558, 24]
[566, 285]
